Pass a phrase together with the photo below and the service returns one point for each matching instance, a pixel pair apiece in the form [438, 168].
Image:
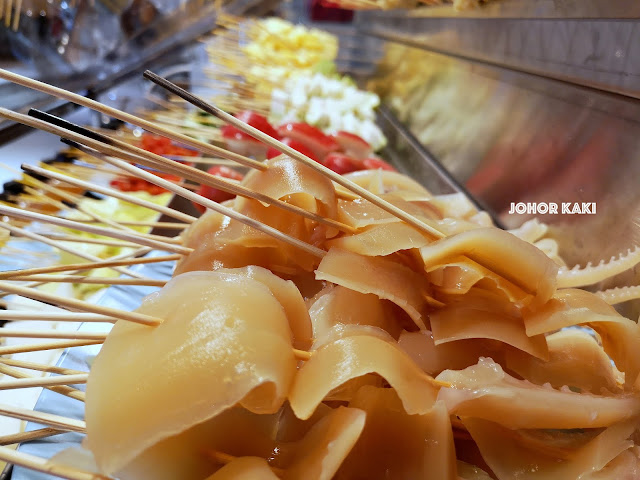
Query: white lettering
[565, 207]
[521, 208]
[543, 208]
[553, 208]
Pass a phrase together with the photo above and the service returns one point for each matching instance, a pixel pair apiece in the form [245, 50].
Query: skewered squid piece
[383, 277]
[396, 445]
[620, 336]
[501, 252]
[222, 242]
[353, 356]
[575, 359]
[336, 305]
[224, 340]
[515, 454]
[383, 181]
[485, 391]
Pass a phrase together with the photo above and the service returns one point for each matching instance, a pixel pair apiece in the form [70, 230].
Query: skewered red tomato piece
[352, 144]
[373, 163]
[341, 163]
[300, 147]
[243, 143]
[213, 193]
[312, 138]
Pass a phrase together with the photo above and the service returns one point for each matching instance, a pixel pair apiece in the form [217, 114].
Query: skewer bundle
[343, 327]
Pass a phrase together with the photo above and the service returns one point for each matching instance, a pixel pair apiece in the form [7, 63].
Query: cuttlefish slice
[223, 341]
[485, 391]
[509, 458]
[590, 274]
[569, 307]
[383, 277]
[575, 359]
[245, 468]
[501, 252]
[399, 446]
[335, 363]
[289, 297]
[293, 182]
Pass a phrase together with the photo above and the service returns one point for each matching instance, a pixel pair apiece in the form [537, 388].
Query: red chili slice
[341, 163]
[300, 147]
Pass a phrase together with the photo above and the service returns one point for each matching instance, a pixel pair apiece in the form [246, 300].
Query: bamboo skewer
[93, 280]
[62, 389]
[37, 347]
[270, 141]
[74, 304]
[72, 199]
[63, 423]
[134, 154]
[55, 244]
[140, 239]
[46, 466]
[76, 335]
[17, 438]
[168, 225]
[126, 117]
[217, 182]
[61, 237]
[218, 208]
[14, 274]
[110, 192]
[31, 382]
[20, 315]
[41, 367]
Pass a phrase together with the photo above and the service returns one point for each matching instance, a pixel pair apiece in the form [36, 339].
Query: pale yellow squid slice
[399, 446]
[459, 322]
[575, 360]
[383, 277]
[486, 392]
[510, 457]
[501, 252]
[214, 350]
[337, 362]
[620, 336]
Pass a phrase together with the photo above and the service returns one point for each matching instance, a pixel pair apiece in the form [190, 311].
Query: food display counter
[385, 244]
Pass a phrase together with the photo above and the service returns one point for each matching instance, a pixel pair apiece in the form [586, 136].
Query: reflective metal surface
[603, 53]
[511, 137]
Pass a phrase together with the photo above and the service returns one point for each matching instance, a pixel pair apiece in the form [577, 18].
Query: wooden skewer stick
[64, 389]
[21, 315]
[39, 238]
[272, 142]
[47, 466]
[73, 200]
[37, 347]
[119, 149]
[57, 421]
[205, 202]
[76, 335]
[217, 182]
[93, 280]
[110, 192]
[79, 305]
[44, 381]
[61, 237]
[17, 438]
[11, 274]
[107, 232]
[132, 119]
[169, 225]
[41, 367]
